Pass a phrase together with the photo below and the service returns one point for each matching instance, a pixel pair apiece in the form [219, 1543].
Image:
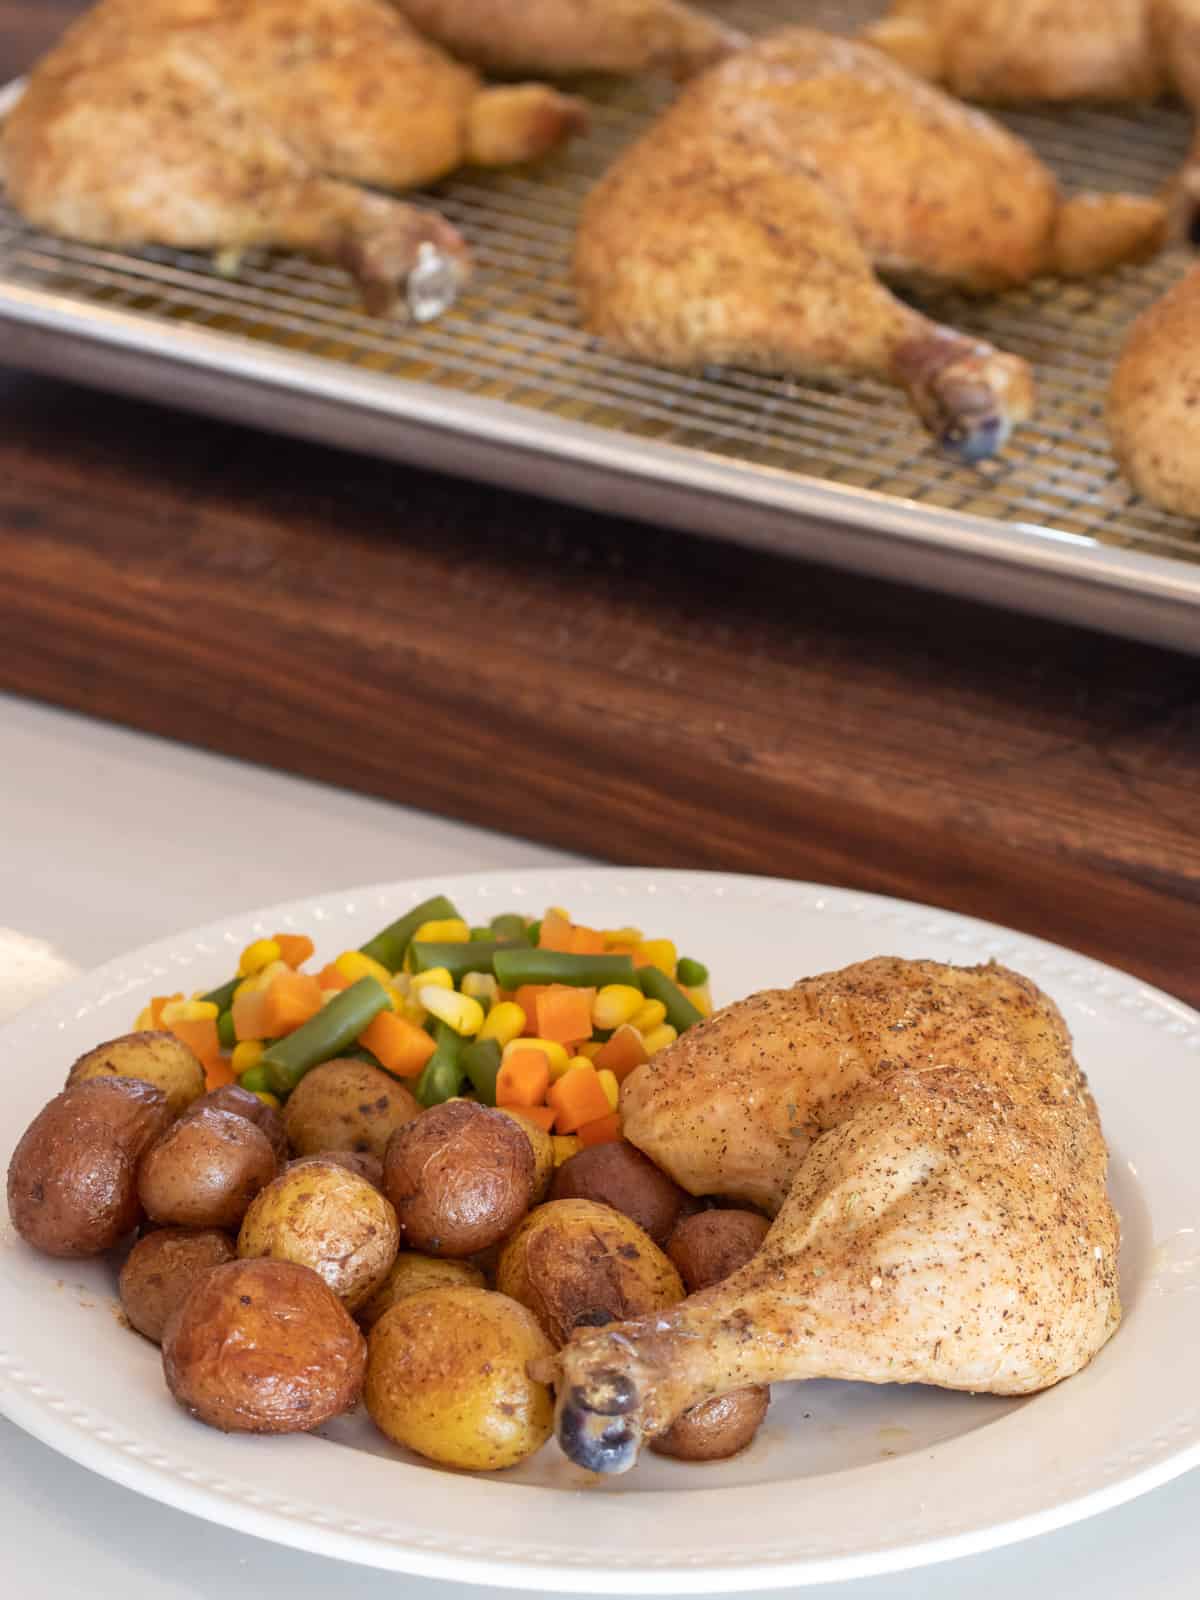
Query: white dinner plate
[844, 1480]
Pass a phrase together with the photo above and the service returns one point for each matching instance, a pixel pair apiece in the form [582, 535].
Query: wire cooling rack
[841, 453]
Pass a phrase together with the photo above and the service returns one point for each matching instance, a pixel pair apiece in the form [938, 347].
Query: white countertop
[106, 842]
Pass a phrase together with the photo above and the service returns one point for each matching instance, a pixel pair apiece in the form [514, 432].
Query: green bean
[390, 944]
[534, 932]
[480, 1061]
[222, 998]
[691, 974]
[482, 935]
[442, 1074]
[510, 925]
[515, 967]
[256, 1078]
[226, 1037]
[458, 959]
[334, 1029]
[655, 985]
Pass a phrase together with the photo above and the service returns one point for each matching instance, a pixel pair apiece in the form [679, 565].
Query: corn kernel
[650, 1014]
[188, 1011]
[550, 1048]
[354, 965]
[612, 936]
[701, 998]
[449, 930]
[436, 977]
[504, 1023]
[565, 1145]
[257, 955]
[560, 912]
[481, 986]
[267, 1098]
[246, 1055]
[559, 1069]
[659, 1037]
[659, 953]
[615, 1003]
[612, 1089]
[590, 1049]
[457, 1011]
[145, 1019]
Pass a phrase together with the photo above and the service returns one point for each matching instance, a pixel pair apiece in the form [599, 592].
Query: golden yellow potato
[580, 1264]
[446, 1376]
[543, 1152]
[411, 1274]
[346, 1105]
[323, 1216]
[157, 1058]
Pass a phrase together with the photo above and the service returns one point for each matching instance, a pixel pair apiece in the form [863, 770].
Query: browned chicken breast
[748, 224]
[938, 1169]
[221, 124]
[560, 37]
[1154, 402]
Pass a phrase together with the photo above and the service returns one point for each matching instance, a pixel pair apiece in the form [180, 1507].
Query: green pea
[691, 974]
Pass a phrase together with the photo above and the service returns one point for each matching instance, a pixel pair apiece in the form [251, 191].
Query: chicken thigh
[1154, 401]
[747, 225]
[567, 36]
[938, 1169]
[221, 124]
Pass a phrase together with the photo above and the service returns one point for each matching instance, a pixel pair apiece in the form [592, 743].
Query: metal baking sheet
[508, 388]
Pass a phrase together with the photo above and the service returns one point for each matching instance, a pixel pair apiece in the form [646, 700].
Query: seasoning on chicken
[747, 226]
[938, 1168]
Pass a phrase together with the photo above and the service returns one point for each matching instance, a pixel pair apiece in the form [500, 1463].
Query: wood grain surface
[636, 694]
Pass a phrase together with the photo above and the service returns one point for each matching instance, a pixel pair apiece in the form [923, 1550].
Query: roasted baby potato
[263, 1347]
[580, 1264]
[710, 1245]
[161, 1269]
[157, 1058]
[715, 1429]
[706, 1248]
[619, 1176]
[542, 1146]
[346, 1105]
[232, 1097]
[412, 1274]
[205, 1169]
[360, 1162]
[447, 1376]
[72, 1180]
[460, 1177]
[321, 1215]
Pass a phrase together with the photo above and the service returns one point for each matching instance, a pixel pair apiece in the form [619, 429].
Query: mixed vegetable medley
[544, 1016]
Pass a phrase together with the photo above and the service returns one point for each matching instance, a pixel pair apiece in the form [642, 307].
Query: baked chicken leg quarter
[747, 225]
[939, 1173]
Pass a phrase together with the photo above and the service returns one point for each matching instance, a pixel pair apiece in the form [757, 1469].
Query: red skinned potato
[710, 1245]
[204, 1171]
[72, 1180]
[161, 1269]
[620, 1176]
[232, 1097]
[263, 1347]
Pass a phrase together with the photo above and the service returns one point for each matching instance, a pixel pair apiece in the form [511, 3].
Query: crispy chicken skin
[938, 1169]
[1154, 401]
[747, 225]
[561, 37]
[221, 124]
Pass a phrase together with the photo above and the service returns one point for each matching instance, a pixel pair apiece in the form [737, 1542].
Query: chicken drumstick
[747, 225]
[944, 1217]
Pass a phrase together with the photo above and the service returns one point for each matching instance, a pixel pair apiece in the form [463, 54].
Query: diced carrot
[586, 941]
[397, 1044]
[218, 1073]
[291, 999]
[622, 950]
[526, 997]
[332, 977]
[555, 932]
[541, 1116]
[249, 1015]
[622, 1052]
[604, 1130]
[523, 1079]
[200, 1036]
[564, 1013]
[577, 1097]
[294, 948]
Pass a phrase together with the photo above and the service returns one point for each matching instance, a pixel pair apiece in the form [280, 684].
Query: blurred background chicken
[938, 1170]
[561, 37]
[221, 124]
[748, 224]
